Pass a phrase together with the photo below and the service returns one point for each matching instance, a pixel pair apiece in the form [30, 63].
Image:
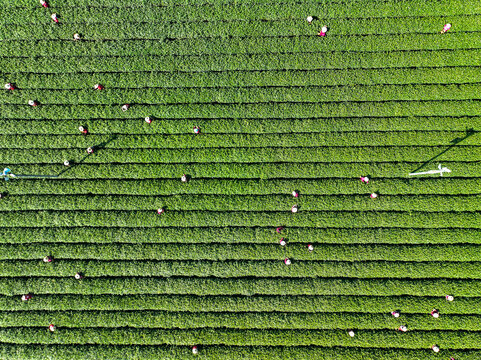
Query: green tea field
[226, 179]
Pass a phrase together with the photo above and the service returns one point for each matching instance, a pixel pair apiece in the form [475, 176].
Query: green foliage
[280, 109]
[250, 268]
[272, 304]
[94, 352]
[239, 286]
[81, 236]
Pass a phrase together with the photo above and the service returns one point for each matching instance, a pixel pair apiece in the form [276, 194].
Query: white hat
[324, 29]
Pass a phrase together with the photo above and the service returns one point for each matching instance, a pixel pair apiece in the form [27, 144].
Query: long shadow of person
[454, 142]
[97, 148]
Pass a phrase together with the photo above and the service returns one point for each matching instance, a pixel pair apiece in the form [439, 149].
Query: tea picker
[323, 31]
[446, 28]
[26, 297]
[395, 314]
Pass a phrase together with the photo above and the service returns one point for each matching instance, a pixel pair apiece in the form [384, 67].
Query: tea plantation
[258, 130]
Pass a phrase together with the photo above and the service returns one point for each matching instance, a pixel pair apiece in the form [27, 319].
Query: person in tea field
[76, 37]
[449, 298]
[184, 178]
[403, 328]
[373, 195]
[395, 314]
[196, 130]
[310, 248]
[78, 276]
[47, 259]
[323, 31]
[83, 130]
[295, 194]
[435, 348]
[282, 242]
[279, 229]
[364, 179]
[33, 103]
[287, 261]
[9, 86]
[294, 208]
[309, 19]
[66, 163]
[100, 87]
[446, 28]
[125, 107]
[90, 150]
[54, 18]
[195, 350]
[351, 333]
[435, 313]
[26, 297]
[160, 211]
[52, 327]
[148, 120]
[44, 3]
